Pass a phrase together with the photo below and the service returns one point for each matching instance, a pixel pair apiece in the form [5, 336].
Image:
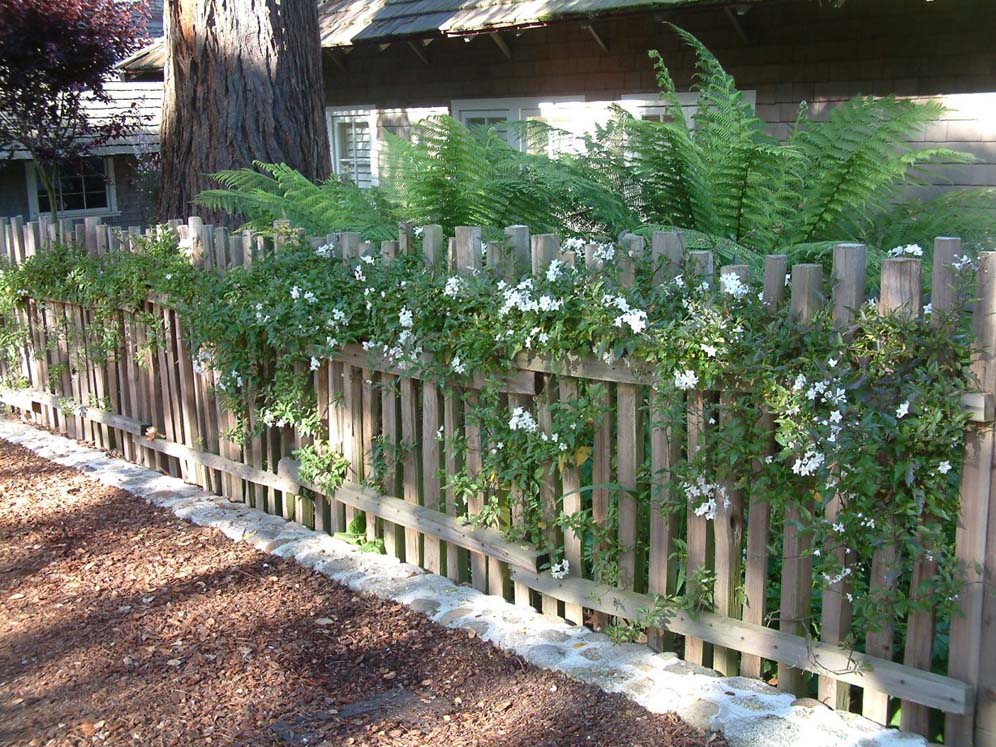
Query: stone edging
[747, 712]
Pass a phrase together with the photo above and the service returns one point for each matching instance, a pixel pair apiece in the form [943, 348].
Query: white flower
[358, 274]
[315, 363]
[709, 350]
[573, 244]
[295, 292]
[800, 382]
[405, 317]
[418, 232]
[453, 287]
[546, 303]
[769, 459]
[310, 297]
[910, 250]
[835, 416]
[635, 318]
[928, 309]
[561, 569]
[367, 258]
[605, 253]
[169, 276]
[707, 509]
[554, 270]
[522, 420]
[788, 278]
[325, 251]
[816, 553]
[961, 264]
[838, 527]
[808, 463]
[832, 363]
[944, 467]
[685, 379]
[458, 366]
[903, 410]
[732, 285]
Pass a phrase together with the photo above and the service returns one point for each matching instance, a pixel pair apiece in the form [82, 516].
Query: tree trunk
[243, 83]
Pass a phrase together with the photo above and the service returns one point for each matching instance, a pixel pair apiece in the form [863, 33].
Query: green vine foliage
[869, 417]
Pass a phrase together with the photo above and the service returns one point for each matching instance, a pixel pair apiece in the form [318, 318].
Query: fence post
[974, 546]
[728, 529]
[668, 252]
[848, 283]
[518, 241]
[759, 512]
[698, 535]
[807, 298]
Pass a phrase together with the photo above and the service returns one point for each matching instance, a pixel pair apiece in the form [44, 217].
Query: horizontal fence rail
[149, 403]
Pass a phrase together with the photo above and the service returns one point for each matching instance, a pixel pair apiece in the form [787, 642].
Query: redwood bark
[243, 82]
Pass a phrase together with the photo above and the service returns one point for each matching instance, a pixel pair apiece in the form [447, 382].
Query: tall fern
[275, 191]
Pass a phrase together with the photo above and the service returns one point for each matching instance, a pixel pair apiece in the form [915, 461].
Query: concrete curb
[747, 712]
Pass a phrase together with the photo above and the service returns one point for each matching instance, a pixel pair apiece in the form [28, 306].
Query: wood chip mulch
[122, 625]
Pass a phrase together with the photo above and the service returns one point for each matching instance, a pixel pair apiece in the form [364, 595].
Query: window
[354, 145]
[86, 188]
[497, 112]
[650, 107]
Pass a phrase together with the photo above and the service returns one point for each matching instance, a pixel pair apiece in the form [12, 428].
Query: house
[114, 183]
[389, 63]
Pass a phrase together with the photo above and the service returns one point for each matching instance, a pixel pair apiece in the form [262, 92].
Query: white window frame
[641, 105]
[110, 185]
[336, 114]
[514, 109]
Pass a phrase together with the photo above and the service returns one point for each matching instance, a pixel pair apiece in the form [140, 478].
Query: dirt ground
[122, 625]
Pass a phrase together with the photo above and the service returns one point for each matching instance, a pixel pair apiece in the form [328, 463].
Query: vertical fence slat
[668, 253]
[728, 527]
[431, 463]
[848, 282]
[520, 591]
[475, 501]
[900, 294]
[394, 540]
[698, 539]
[570, 480]
[759, 512]
[409, 438]
[807, 298]
[456, 557]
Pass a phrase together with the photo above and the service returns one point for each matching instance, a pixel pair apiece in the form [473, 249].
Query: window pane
[353, 149]
[81, 188]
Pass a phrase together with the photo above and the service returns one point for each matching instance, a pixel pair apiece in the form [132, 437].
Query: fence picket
[849, 267]
[807, 298]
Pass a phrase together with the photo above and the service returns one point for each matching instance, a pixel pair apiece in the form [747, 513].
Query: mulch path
[122, 625]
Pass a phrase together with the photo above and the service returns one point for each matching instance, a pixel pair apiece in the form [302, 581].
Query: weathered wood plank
[797, 652]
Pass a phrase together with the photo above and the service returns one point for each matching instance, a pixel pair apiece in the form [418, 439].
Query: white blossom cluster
[636, 319]
[962, 262]
[561, 569]
[326, 251]
[573, 244]
[520, 298]
[711, 496]
[685, 379]
[202, 362]
[732, 285]
[910, 250]
[808, 463]
[454, 286]
[522, 420]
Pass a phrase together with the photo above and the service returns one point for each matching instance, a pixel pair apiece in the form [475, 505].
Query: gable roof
[343, 23]
[144, 99]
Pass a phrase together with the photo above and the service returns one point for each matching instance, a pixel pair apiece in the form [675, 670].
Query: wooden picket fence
[148, 403]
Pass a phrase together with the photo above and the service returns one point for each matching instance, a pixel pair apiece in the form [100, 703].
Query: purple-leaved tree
[56, 57]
